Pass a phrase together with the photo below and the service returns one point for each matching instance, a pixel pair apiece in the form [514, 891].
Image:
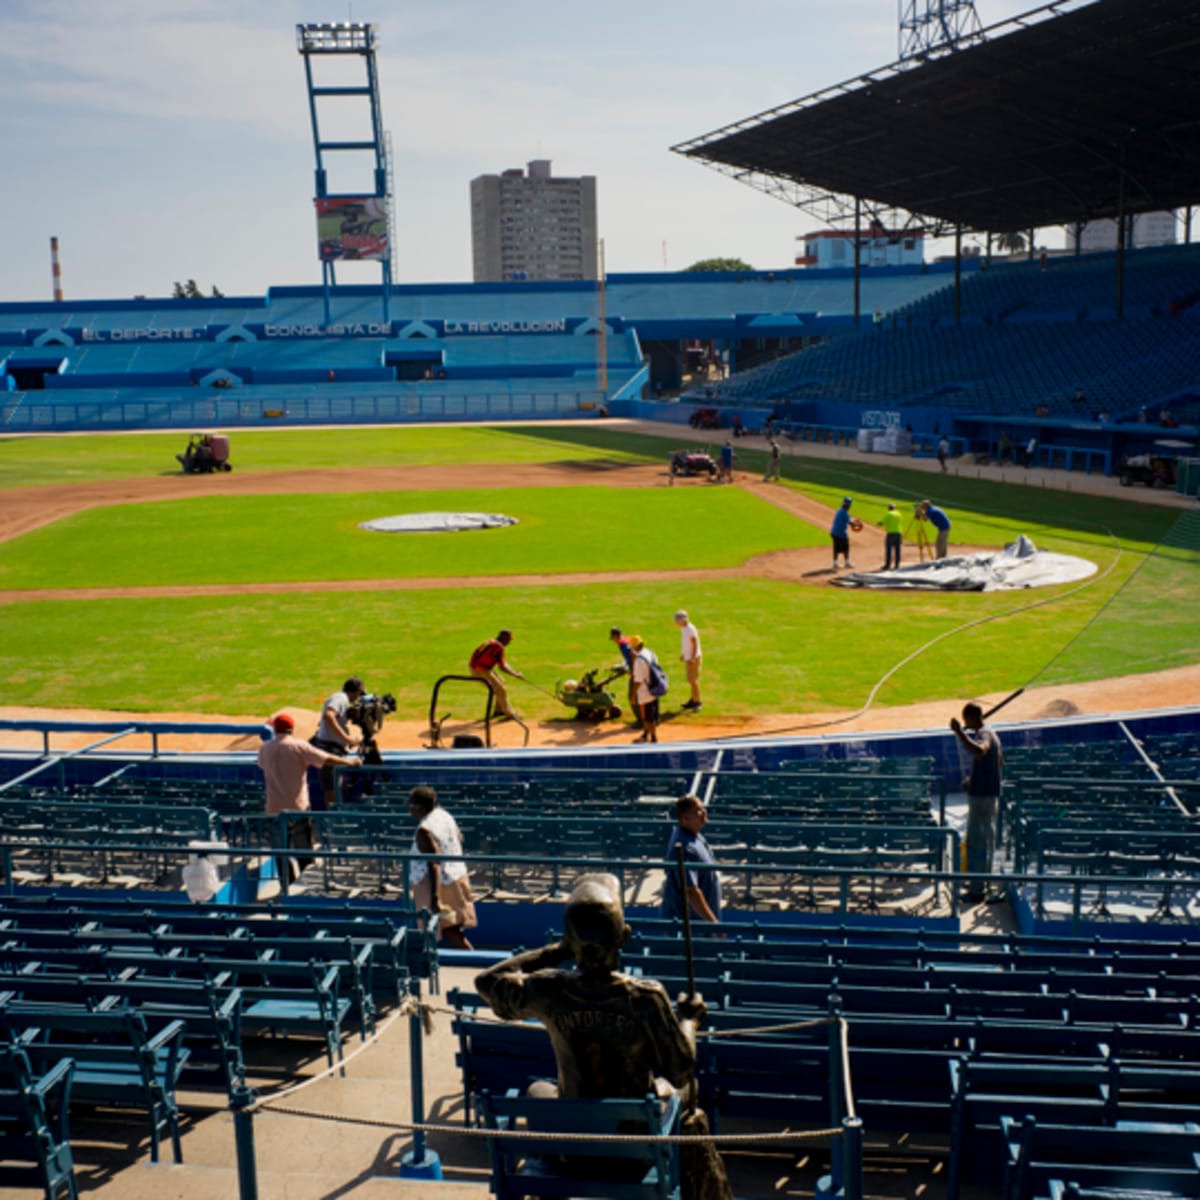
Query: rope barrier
[410, 1006]
[847, 1087]
[681, 1139]
[729, 1033]
[489, 1019]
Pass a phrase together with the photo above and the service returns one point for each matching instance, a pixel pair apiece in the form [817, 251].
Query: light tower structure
[352, 225]
[932, 27]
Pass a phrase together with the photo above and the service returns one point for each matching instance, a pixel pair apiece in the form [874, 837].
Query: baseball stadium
[488, 508]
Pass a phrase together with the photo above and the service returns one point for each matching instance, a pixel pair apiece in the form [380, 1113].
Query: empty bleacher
[1025, 338]
[953, 1034]
[446, 352]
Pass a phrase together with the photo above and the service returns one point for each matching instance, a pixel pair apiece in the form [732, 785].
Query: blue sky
[168, 139]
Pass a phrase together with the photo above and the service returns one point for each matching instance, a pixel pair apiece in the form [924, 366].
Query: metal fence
[232, 410]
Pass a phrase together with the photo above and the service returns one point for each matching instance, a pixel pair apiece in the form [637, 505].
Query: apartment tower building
[531, 225]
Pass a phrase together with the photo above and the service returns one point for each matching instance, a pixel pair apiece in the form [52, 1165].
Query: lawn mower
[205, 453]
[588, 697]
[693, 462]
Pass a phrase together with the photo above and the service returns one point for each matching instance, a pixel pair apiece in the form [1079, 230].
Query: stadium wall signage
[877, 419]
[459, 328]
[186, 333]
[348, 330]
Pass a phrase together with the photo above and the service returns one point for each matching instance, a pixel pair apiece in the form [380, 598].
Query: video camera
[368, 712]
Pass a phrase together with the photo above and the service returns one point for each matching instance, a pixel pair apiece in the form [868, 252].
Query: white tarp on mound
[437, 522]
[1019, 565]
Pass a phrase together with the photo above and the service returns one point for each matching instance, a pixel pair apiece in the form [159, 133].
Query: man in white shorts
[689, 655]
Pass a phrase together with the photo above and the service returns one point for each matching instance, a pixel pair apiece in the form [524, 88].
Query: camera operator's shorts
[455, 904]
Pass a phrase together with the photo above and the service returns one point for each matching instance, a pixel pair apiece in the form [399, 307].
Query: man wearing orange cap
[284, 762]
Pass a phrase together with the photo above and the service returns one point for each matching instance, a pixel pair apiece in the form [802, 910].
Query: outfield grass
[769, 646]
[78, 458]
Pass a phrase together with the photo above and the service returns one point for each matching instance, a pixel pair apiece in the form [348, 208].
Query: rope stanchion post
[837, 1078]
[420, 1162]
[241, 1104]
[852, 1158]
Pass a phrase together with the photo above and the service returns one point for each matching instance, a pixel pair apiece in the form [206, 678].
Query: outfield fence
[237, 410]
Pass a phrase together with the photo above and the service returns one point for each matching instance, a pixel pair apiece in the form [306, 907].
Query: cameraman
[334, 734]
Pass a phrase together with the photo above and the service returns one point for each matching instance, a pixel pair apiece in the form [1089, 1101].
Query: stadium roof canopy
[1071, 112]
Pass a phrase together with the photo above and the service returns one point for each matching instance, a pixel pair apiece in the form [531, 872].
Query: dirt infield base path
[25, 509]
[1178, 687]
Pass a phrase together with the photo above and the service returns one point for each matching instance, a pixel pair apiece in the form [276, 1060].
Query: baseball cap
[681, 615]
[615, 631]
[282, 723]
[847, 499]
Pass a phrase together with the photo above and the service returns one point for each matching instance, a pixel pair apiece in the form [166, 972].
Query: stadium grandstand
[872, 1029]
[1034, 346]
[458, 352]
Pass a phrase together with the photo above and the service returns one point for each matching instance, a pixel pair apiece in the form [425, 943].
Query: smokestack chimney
[56, 270]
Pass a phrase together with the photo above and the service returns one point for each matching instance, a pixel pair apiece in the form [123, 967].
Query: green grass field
[769, 646]
[245, 539]
[75, 458]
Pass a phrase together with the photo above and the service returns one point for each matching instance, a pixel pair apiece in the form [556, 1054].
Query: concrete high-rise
[533, 226]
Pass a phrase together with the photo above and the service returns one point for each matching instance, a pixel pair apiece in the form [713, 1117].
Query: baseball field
[127, 586]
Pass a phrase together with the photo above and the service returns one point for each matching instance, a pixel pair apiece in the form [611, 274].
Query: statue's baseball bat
[1006, 700]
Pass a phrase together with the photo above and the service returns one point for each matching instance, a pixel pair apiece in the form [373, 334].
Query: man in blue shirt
[839, 531]
[727, 457]
[928, 511]
[615, 635]
[703, 887]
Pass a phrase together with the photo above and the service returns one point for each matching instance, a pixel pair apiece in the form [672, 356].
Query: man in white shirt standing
[689, 655]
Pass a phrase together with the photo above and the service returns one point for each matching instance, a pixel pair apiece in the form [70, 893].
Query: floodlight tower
[931, 27]
[351, 225]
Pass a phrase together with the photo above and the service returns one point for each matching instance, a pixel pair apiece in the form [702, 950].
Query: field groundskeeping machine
[693, 462]
[205, 453]
[589, 696]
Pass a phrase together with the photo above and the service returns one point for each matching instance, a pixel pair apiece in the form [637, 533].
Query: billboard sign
[352, 227]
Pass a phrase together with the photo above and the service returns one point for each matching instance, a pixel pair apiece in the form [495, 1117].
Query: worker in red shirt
[488, 661]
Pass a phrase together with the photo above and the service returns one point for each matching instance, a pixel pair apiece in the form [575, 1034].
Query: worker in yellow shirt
[893, 525]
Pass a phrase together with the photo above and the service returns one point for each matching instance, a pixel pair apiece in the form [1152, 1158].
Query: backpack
[658, 682]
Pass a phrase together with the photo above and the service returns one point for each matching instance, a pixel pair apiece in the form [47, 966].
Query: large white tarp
[437, 522]
[1019, 565]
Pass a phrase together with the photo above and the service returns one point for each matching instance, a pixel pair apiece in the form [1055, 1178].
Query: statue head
[594, 928]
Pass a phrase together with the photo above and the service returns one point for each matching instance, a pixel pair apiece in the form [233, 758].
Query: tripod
[922, 539]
